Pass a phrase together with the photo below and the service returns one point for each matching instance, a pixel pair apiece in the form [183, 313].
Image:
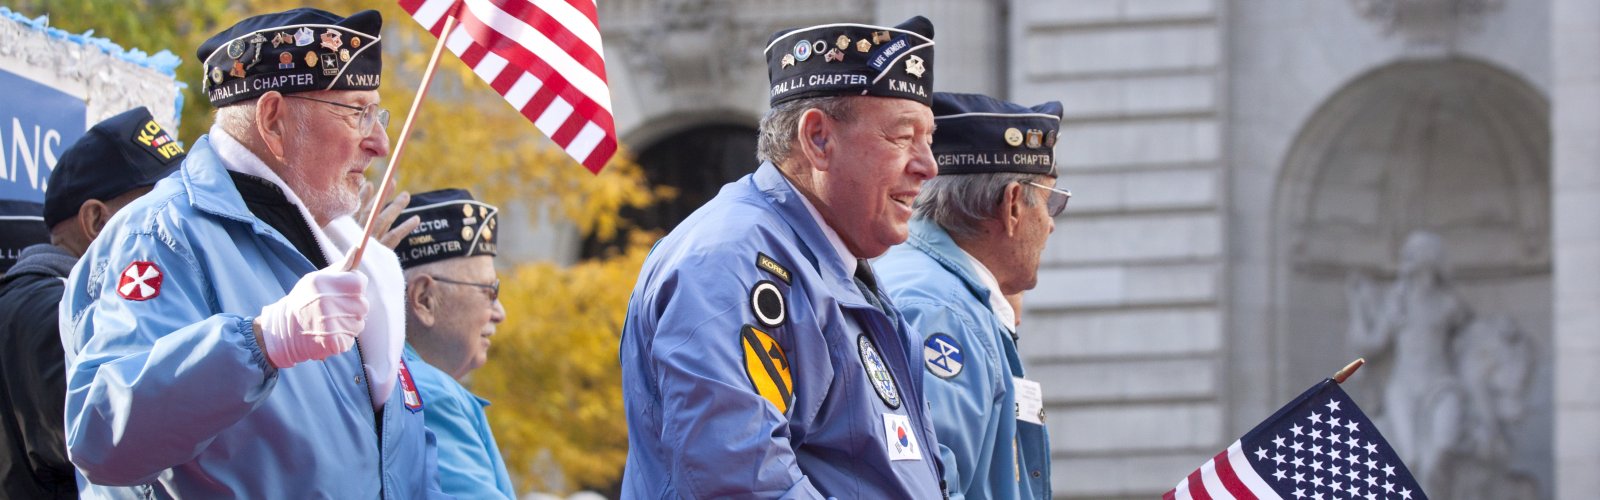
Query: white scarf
[385, 335]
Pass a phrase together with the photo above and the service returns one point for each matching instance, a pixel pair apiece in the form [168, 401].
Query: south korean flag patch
[899, 438]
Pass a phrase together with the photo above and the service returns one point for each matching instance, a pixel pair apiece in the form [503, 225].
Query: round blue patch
[943, 355]
[802, 50]
[878, 372]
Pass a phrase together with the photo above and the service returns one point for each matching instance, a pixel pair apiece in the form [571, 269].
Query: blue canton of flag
[1319, 446]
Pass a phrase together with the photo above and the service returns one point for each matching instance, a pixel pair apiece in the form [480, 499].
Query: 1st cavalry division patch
[767, 367]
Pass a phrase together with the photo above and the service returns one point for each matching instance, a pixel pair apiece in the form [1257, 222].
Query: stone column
[969, 38]
[1575, 187]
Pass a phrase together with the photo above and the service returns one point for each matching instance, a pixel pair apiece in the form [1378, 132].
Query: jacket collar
[210, 188]
[834, 263]
[939, 246]
[42, 259]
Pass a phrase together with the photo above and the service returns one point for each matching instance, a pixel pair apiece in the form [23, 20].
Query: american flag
[544, 57]
[1319, 446]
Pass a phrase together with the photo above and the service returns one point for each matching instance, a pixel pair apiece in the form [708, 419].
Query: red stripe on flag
[558, 33]
[513, 51]
[564, 134]
[1231, 480]
[411, 6]
[588, 9]
[602, 154]
[1171, 494]
[518, 55]
[1197, 487]
[521, 60]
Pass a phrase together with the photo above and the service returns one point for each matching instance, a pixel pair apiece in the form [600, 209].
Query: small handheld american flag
[544, 57]
[1319, 446]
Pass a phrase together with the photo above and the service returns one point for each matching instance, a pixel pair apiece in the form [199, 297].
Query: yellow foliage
[553, 373]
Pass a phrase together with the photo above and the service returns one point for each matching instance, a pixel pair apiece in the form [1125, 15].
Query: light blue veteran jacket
[470, 465]
[753, 366]
[969, 359]
[171, 394]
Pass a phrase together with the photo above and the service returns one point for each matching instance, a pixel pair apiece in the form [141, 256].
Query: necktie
[868, 285]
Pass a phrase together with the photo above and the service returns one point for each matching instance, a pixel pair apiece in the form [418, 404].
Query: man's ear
[815, 129]
[92, 217]
[422, 299]
[1011, 208]
[272, 122]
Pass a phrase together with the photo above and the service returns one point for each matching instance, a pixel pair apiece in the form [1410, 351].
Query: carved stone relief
[1413, 159]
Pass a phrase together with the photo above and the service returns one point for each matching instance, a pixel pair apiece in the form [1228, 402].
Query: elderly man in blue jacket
[979, 230]
[215, 346]
[452, 308]
[759, 357]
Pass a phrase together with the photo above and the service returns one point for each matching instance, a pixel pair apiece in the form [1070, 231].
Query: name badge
[1030, 401]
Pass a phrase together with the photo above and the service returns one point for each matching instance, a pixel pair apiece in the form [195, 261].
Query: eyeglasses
[369, 113]
[1058, 198]
[493, 288]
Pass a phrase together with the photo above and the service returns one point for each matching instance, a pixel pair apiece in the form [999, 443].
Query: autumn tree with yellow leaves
[552, 374]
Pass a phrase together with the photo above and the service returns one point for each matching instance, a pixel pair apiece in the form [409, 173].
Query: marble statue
[1456, 380]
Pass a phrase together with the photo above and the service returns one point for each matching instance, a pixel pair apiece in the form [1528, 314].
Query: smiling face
[326, 152]
[876, 165]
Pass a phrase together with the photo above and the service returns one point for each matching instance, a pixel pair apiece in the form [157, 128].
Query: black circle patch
[766, 301]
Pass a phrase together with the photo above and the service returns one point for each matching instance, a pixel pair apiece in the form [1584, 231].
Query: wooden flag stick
[1349, 369]
[400, 146]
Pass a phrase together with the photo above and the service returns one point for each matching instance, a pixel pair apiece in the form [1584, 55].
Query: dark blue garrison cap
[978, 134]
[115, 156]
[852, 59]
[453, 225]
[296, 50]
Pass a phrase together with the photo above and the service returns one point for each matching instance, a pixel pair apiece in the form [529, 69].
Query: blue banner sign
[37, 124]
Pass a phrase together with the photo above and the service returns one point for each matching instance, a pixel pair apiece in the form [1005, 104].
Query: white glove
[320, 317]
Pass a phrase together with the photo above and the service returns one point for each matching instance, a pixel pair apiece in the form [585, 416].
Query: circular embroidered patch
[878, 372]
[767, 302]
[942, 355]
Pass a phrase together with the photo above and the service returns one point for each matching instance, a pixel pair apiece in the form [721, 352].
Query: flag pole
[400, 146]
[1349, 369]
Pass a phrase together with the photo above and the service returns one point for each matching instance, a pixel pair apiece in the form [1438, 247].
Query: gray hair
[780, 126]
[239, 119]
[960, 203]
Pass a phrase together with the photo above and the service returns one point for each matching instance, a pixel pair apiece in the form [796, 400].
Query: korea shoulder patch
[768, 304]
[878, 372]
[772, 266]
[141, 280]
[768, 367]
[942, 355]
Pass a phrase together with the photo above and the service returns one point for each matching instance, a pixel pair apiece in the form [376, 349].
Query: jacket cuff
[247, 340]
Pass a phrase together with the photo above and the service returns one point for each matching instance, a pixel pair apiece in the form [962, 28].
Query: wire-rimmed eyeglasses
[492, 288]
[369, 114]
[1058, 198]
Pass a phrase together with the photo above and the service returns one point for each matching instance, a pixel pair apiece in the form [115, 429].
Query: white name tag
[1030, 401]
[899, 438]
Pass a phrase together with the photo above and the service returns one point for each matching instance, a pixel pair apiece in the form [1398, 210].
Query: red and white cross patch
[140, 281]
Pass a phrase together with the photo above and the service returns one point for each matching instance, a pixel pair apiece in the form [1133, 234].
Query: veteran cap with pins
[852, 59]
[978, 134]
[117, 155]
[297, 50]
[453, 225]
